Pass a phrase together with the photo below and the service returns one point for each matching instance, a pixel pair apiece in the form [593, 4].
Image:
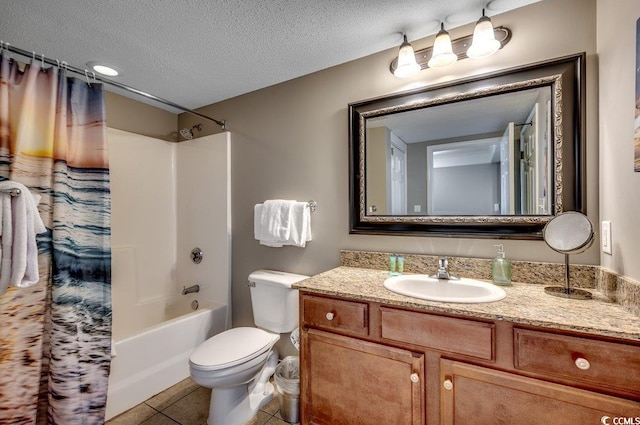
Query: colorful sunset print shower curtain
[55, 337]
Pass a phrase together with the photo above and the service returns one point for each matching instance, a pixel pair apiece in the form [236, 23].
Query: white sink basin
[447, 291]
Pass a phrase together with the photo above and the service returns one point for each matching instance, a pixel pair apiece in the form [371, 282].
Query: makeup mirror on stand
[568, 233]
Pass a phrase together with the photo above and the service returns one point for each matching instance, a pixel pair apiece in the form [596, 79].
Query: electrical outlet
[605, 237]
[417, 208]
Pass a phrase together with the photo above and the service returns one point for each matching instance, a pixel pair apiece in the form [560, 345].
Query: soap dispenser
[501, 268]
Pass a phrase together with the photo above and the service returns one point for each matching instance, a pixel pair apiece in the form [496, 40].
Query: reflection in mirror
[494, 155]
[483, 156]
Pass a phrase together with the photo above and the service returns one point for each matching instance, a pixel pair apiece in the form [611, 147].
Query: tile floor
[187, 403]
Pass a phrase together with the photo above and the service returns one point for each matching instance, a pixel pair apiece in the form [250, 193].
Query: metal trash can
[287, 377]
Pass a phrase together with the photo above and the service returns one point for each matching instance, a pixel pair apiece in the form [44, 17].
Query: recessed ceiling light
[104, 69]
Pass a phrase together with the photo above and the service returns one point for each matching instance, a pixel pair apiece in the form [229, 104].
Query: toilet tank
[274, 302]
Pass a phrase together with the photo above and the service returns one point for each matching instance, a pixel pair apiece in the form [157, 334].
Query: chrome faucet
[191, 289]
[443, 270]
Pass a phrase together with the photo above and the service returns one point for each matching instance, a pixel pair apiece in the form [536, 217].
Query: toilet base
[236, 405]
[232, 406]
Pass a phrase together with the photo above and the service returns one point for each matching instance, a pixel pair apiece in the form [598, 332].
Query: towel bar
[12, 192]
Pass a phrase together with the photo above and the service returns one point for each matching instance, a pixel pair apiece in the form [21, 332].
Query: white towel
[34, 227]
[258, 232]
[275, 221]
[300, 225]
[7, 241]
[298, 228]
[3, 197]
[19, 266]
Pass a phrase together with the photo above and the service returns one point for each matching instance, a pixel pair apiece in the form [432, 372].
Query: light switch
[605, 237]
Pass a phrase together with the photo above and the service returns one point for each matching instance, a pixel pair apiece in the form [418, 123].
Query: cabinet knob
[330, 316]
[415, 378]
[447, 384]
[582, 363]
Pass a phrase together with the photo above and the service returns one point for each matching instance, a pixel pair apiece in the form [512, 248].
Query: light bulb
[407, 64]
[484, 41]
[442, 51]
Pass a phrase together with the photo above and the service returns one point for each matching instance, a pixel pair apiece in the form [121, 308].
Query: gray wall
[417, 177]
[619, 184]
[466, 190]
[291, 141]
[136, 117]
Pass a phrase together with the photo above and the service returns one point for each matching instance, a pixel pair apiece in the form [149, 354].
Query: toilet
[237, 364]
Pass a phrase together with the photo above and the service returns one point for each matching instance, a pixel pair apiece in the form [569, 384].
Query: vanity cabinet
[371, 363]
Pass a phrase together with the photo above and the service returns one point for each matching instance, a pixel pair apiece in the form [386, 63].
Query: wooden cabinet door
[479, 396]
[349, 381]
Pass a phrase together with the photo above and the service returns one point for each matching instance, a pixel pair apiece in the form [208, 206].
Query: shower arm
[86, 73]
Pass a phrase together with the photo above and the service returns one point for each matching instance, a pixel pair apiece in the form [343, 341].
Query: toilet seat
[232, 347]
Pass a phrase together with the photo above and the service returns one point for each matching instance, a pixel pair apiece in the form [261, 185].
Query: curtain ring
[95, 81]
[86, 74]
[42, 63]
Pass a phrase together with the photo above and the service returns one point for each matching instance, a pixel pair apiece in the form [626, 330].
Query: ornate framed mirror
[495, 155]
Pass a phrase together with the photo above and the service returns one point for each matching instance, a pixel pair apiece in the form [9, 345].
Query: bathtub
[157, 358]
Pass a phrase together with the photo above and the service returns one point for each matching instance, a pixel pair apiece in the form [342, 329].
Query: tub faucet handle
[196, 255]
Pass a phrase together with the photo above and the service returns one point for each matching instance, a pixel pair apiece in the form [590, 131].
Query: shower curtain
[55, 337]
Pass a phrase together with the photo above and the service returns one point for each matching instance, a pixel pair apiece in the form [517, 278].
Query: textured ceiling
[198, 52]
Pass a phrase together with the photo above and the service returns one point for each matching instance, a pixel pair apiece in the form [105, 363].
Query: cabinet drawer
[608, 364]
[450, 334]
[331, 314]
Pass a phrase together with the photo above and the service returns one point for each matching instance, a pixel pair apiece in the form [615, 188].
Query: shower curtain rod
[87, 74]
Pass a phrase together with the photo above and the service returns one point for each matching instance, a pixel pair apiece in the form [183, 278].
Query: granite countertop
[525, 303]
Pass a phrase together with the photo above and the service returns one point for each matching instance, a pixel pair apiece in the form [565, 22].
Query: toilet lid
[231, 347]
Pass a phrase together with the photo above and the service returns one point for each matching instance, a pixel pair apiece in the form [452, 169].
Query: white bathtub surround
[167, 198]
[204, 218]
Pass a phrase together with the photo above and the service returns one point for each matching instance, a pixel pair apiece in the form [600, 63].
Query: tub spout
[190, 290]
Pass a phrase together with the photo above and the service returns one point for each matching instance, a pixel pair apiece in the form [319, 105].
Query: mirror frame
[564, 75]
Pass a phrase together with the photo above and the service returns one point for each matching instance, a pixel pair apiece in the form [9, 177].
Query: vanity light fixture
[407, 64]
[104, 69]
[484, 42]
[460, 47]
[442, 50]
